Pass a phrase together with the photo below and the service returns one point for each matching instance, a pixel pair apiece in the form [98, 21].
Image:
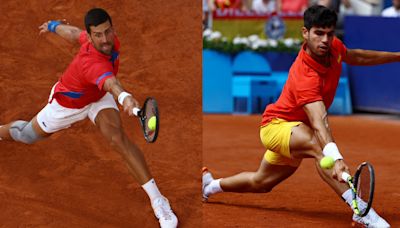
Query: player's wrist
[52, 25]
[122, 96]
[332, 150]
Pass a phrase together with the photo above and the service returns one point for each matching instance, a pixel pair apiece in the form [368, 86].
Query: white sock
[213, 187]
[151, 189]
[348, 197]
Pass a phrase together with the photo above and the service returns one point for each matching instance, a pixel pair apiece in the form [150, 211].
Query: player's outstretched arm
[66, 31]
[369, 57]
[318, 117]
[124, 98]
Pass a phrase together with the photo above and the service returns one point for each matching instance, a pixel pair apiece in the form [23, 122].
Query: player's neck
[323, 60]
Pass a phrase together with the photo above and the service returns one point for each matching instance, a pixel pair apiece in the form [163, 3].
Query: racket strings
[150, 110]
[363, 189]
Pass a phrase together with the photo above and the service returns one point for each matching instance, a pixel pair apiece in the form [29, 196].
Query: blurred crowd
[297, 7]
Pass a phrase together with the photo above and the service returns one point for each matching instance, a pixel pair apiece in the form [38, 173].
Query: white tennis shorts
[54, 117]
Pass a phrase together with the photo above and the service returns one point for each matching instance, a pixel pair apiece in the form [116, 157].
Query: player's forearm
[318, 118]
[324, 136]
[68, 32]
[322, 131]
[124, 98]
[369, 57]
[113, 86]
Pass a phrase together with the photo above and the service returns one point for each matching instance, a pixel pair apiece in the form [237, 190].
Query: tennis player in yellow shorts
[296, 126]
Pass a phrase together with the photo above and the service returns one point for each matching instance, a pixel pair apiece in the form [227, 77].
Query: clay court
[231, 145]
[74, 179]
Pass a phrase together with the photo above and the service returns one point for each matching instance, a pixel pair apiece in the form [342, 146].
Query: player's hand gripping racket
[149, 119]
[362, 186]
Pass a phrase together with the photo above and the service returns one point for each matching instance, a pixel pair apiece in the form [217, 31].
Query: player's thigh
[106, 102]
[109, 123]
[105, 115]
[108, 118]
[54, 117]
[303, 143]
[276, 139]
[273, 174]
[36, 127]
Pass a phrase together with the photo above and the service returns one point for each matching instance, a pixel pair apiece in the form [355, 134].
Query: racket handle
[345, 176]
[136, 111]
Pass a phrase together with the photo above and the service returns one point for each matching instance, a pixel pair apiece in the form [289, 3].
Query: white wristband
[122, 96]
[332, 150]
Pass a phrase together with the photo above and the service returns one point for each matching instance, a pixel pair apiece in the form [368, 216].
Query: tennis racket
[362, 186]
[149, 110]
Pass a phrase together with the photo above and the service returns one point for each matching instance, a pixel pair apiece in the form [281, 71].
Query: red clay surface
[74, 179]
[231, 145]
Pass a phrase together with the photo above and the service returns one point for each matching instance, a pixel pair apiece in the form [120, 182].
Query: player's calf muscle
[261, 187]
[259, 184]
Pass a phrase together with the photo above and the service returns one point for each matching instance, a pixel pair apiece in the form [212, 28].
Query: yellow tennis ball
[152, 123]
[327, 162]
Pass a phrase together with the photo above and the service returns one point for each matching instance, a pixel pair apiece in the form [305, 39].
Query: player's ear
[89, 37]
[304, 33]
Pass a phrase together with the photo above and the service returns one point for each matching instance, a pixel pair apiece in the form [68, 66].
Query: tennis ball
[327, 162]
[152, 123]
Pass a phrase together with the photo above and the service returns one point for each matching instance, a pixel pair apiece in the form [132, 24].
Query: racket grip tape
[355, 207]
[136, 111]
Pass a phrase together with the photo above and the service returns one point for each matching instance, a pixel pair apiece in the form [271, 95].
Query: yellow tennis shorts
[275, 136]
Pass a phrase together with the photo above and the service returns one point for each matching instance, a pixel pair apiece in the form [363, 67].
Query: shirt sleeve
[83, 37]
[97, 75]
[308, 89]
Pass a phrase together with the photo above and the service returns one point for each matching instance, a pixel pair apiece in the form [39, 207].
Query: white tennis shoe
[164, 213]
[206, 180]
[371, 220]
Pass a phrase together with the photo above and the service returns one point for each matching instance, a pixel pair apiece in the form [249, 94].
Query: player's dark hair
[96, 16]
[319, 16]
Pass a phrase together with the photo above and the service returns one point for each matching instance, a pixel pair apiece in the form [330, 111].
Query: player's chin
[106, 50]
[322, 51]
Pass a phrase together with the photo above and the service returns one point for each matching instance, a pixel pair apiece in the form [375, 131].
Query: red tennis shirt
[308, 81]
[82, 82]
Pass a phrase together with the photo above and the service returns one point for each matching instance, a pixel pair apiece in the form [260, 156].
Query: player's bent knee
[22, 131]
[261, 185]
